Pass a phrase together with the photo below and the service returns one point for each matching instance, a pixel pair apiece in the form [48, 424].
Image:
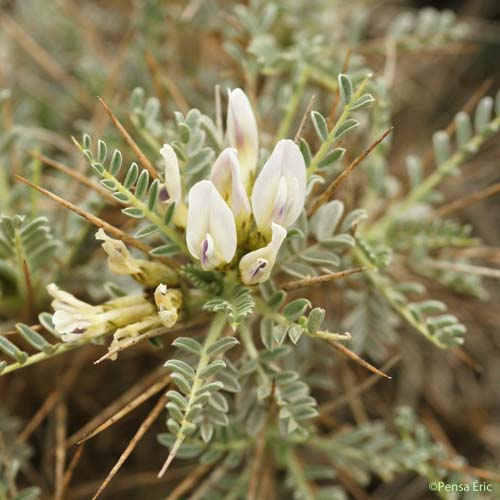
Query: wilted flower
[226, 177]
[256, 266]
[120, 261]
[242, 133]
[210, 229]
[279, 191]
[171, 190]
[168, 303]
[74, 319]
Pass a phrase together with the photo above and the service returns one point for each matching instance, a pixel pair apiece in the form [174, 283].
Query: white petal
[172, 188]
[242, 132]
[286, 162]
[226, 177]
[255, 267]
[208, 214]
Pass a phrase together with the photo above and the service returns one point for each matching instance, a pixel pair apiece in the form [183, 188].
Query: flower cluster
[234, 212]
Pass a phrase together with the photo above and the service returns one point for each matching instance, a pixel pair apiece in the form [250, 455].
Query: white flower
[210, 229]
[171, 190]
[168, 302]
[74, 319]
[256, 266]
[242, 133]
[226, 177]
[279, 191]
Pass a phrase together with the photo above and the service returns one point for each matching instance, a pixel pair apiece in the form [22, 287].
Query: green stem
[381, 284]
[248, 344]
[325, 147]
[298, 476]
[41, 356]
[442, 171]
[293, 104]
[213, 334]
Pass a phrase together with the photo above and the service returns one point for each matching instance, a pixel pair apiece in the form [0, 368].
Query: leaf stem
[325, 147]
[213, 334]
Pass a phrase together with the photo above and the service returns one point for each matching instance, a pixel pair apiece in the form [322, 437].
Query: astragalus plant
[231, 228]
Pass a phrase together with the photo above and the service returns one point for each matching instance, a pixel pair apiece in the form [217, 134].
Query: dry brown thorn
[213, 478]
[124, 399]
[143, 428]
[317, 280]
[352, 355]
[466, 201]
[96, 221]
[260, 446]
[71, 469]
[303, 122]
[143, 159]
[61, 414]
[327, 194]
[75, 174]
[468, 470]
[358, 390]
[65, 383]
[148, 335]
[487, 272]
[161, 80]
[189, 481]
[132, 405]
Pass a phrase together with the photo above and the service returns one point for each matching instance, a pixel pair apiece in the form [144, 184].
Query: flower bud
[168, 303]
[226, 177]
[210, 229]
[171, 190]
[280, 189]
[242, 133]
[256, 266]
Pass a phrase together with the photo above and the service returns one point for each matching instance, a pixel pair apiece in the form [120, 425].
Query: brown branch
[149, 334]
[467, 200]
[153, 414]
[303, 122]
[61, 415]
[189, 481]
[358, 390]
[260, 446]
[143, 160]
[469, 470]
[352, 355]
[327, 194]
[54, 396]
[112, 230]
[118, 403]
[75, 174]
[71, 469]
[132, 405]
[317, 280]
[161, 80]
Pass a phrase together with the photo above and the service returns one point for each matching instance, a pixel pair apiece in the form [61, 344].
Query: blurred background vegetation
[56, 56]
